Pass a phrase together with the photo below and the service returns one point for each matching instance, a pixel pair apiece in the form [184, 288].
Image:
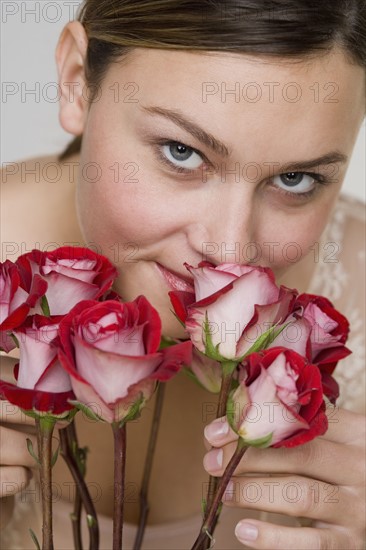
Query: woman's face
[213, 156]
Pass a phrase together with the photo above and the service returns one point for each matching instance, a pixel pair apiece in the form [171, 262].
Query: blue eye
[296, 182]
[181, 156]
[186, 160]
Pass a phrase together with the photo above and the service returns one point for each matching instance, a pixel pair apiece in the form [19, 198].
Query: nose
[227, 227]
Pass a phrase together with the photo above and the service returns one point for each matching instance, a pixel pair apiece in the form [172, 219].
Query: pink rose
[72, 274]
[317, 331]
[279, 401]
[17, 296]
[329, 328]
[110, 350]
[232, 307]
[42, 384]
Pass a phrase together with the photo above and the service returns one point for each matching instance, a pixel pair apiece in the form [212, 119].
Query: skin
[178, 213]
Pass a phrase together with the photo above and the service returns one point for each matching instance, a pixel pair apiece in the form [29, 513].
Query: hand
[15, 460]
[323, 480]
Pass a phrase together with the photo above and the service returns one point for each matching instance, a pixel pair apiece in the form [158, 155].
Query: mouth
[176, 281]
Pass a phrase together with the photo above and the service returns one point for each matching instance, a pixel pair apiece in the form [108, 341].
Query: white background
[29, 125]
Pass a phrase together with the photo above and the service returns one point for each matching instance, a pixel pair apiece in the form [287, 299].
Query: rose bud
[232, 309]
[72, 274]
[279, 401]
[318, 331]
[110, 350]
[18, 295]
[42, 384]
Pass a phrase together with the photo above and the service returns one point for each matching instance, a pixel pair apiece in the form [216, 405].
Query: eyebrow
[196, 131]
[332, 157]
[220, 148]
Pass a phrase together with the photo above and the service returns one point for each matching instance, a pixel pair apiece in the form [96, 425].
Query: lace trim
[333, 280]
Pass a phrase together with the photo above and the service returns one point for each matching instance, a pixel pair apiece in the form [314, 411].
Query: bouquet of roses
[83, 348]
[261, 347]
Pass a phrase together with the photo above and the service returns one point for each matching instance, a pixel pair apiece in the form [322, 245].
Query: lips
[176, 281]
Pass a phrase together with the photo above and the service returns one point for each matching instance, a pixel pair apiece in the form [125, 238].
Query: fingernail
[218, 429]
[246, 531]
[212, 461]
[229, 494]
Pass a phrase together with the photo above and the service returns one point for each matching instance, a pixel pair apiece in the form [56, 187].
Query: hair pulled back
[293, 29]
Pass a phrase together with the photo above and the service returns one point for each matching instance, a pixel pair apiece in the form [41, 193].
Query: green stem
[119, 433]
[209, 524]
[144, 505]
[72, 455]
[45, 427]
[228, 369]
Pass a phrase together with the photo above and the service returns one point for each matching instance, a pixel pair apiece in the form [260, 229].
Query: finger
[13, 479]
[344, 426]
[219, 433]
[13, 449]
[260, 534]
[11, 413]
[294, 496]
[314, 459]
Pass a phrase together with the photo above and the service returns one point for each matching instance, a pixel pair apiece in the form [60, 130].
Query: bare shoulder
[38, 204]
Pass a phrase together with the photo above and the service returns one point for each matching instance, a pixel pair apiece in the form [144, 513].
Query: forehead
[190, 70]
[257, 99]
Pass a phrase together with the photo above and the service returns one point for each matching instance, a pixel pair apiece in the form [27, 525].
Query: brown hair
[295, 29]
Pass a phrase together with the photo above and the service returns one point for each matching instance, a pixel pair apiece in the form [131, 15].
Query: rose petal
[55, 379]
[88, 396]
[231, 312]
[110, 374]
[30, 400]
[207, 281]
[36, 354]
[267, 413]
[63, 293]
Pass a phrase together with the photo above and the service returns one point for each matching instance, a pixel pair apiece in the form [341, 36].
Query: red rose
[329, 328]
[110, 350]
[319, 332]
[17, 296]
[72, 274]
[232, 306]
[42, 384]
[279, 401]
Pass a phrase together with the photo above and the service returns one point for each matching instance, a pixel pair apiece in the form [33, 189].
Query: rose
[318, 331]
[72, 274]
[232, 307]
[110, 350]
[329, 329]
[17, 296]
[42, 384]
[279, 401]
[206, 371]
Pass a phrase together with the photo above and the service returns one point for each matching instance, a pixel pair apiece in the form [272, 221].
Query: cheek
[286, 237]
[122, 206]
[116, 214]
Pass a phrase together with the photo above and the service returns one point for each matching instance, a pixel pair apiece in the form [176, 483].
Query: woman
[218, 131]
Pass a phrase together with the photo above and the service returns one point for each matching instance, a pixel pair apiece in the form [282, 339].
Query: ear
[70, 56]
